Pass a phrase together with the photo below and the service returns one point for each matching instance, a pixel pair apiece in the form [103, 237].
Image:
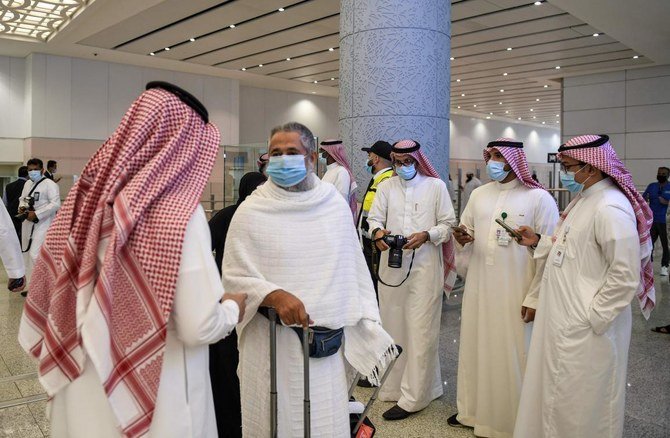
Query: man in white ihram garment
[415, 204]
[126, 296]
[291, 246]
[501, 285]
[598, 260]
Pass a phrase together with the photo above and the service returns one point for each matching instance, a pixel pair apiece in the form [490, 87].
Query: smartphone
[509, 230]
[460, 230]
[16, 283]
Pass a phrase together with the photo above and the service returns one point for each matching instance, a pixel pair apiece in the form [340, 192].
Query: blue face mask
[406, 172]
[368, 166]
[496, 170]
[568, 181]
[35, 175]
[287, 170]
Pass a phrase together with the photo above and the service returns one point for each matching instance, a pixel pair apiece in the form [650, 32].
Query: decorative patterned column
[394, 77]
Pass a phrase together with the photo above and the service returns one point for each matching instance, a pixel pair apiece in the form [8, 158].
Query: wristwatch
[538, 241]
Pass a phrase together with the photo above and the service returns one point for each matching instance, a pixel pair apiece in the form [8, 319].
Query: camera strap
[375, 266]
[32, 229]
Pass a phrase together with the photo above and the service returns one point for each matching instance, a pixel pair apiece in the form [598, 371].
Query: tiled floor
[647, 403]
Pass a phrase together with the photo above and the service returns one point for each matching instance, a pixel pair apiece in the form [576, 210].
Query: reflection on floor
[647, 402]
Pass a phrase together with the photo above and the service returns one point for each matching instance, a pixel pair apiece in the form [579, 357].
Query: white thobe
[338, 176]
[10, 250]
[411, 313]
[47, 203]
[184, 404]
[575, 378]
[470, 186]
[501, 277]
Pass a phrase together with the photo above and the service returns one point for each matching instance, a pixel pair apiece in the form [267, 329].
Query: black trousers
[660, 230]
[223, 360]
[367, 252]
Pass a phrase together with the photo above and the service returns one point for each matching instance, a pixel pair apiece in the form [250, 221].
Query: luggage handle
[375, 393]
[274, 429]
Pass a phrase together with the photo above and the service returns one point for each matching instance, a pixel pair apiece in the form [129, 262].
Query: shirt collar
[598, 187]
[412, 182]
[509, 185]
[381, 171]
[332, 166]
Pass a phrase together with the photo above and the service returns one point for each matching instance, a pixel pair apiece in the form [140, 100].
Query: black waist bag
[323, 342]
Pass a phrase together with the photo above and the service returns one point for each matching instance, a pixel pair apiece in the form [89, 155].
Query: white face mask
[34, 175]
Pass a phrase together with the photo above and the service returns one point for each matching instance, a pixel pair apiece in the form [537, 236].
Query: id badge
[502, 237]
[560, 254]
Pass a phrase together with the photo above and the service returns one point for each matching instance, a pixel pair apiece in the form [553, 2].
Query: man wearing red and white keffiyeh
[501, 289]
[339, 173]
[597, 262]
[415, 204]
[125, 295]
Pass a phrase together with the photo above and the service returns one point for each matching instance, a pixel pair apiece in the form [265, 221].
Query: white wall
[12, 100]
[632, 107]
[470, 135]
[262, 109]
[82, 99]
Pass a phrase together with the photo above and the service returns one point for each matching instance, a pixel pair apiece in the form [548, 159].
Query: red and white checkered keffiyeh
[336, 150]
[516, 158]
[424, 167]
[138, 192]
[605, 159]
[262, 161]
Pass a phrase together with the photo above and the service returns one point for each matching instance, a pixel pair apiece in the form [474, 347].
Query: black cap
[381, 148]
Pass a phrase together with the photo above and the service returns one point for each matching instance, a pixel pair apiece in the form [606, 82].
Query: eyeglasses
[405, 162]
[566, 168]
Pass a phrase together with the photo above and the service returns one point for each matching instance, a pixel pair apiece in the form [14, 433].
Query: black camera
[31, 207]
[395, 243]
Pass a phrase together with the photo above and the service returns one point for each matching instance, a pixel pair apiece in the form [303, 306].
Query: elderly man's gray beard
[307, 183]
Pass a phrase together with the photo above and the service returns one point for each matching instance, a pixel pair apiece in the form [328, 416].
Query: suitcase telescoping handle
[272, 316]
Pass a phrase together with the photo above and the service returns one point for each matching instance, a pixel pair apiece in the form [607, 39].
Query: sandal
[665, 329]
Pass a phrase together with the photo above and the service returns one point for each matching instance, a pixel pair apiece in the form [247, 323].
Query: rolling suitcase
[361, 427]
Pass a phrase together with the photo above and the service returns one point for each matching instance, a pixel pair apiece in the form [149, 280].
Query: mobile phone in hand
[509, 230]
[459, 230]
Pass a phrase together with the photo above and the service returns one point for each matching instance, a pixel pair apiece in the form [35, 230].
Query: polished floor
[647, 402]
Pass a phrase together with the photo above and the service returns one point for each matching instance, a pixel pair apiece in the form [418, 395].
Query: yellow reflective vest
[367, 201]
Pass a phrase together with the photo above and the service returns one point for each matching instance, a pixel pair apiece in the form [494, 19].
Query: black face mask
[661, 178]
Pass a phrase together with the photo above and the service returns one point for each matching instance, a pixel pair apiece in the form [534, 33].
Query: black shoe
[365, 383]
[453, 421]
[396, 413]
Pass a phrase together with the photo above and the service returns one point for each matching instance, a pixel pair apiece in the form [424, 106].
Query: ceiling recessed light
[192, 39]
[557, 121]
[462, 94]
[288, 59]
[260, 65]
[537, 3]
[546, 86]
[596, 34]
[474, 106]
[543, 123]
[499, 103]
[558, 67]
[491, 113]
[281, 9]
[534, 117]
[458, 80]
[332, 79]
[558, 115]
[531, 109]
[459, 107]
[232, 26]
[331, 49]
[152, 54]
[167, 49]
[313, 92]
[488, 117]
[635, 57]
[537, 100]
[506, 112]
[452, 58]
[244, 69]
[518, 118]
[504, 74]
[502, 91]
[509, 48]
[316, 82]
